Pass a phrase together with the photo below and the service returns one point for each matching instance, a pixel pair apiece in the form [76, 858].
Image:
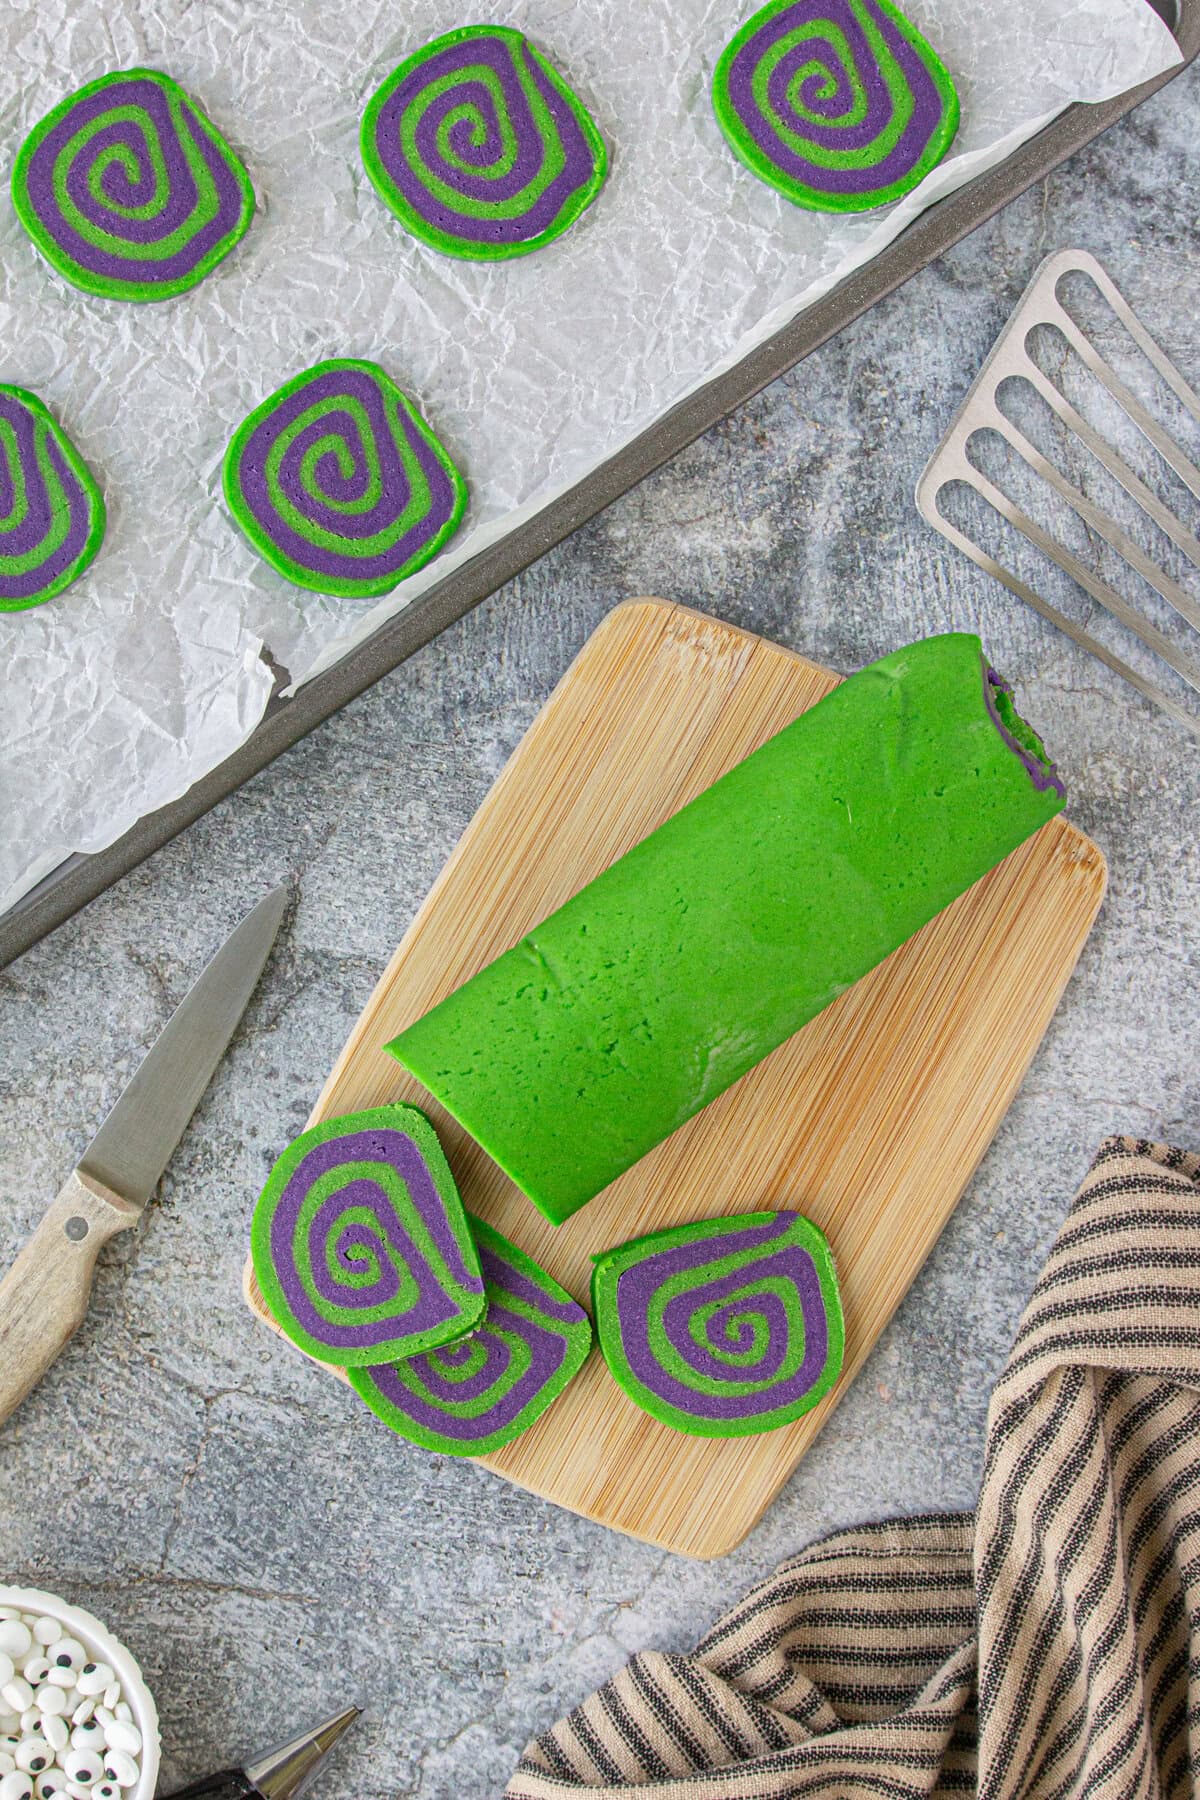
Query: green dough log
[736, 922]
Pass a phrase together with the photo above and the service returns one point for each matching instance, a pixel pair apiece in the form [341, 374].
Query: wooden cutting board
[871, 1120]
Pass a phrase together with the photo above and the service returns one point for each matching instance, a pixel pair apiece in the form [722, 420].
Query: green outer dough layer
[534, 1337]
[722, 933]
[688, 1322]
[47, 428]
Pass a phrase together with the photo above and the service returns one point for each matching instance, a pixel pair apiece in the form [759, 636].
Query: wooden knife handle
[45, 1294]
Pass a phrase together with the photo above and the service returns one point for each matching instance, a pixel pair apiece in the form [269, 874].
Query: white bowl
[95, 1637]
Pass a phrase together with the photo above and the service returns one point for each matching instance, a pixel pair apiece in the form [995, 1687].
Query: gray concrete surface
[265, 1547]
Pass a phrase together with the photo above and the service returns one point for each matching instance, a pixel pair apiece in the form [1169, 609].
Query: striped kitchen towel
[1048, 1646]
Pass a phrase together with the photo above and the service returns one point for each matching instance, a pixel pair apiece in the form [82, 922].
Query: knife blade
[45, 1294]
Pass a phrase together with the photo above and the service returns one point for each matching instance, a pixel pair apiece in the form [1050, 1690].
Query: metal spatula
[982, 411]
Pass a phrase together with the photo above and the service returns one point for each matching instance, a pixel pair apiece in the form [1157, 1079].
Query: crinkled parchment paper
[124, 690]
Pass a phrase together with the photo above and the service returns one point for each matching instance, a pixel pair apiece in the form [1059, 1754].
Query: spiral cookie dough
[360, 1242]
[51, 511]
[338, 481]
[471, 1397]
[129, 191]
[840, 104]
[479, 146]
[724, 1327]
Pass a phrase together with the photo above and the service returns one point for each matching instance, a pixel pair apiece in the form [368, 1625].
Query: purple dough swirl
[322, 1304]
[51, 511]
[129, 190]
[709, 1365]
[479, 146]
[839, 103]
[723, 1327]
[339, 482]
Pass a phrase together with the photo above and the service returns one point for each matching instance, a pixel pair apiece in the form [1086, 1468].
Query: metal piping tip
[285, 1772]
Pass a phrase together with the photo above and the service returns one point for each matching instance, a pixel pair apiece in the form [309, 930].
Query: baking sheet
[147, 673]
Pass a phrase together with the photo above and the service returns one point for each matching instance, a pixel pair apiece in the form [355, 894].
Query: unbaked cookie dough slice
[474, 1396]
[360, 1243]
[479, 146]
[339, 482]
[51, 510]
[723, 1327]
[840, 104]
[129, 191]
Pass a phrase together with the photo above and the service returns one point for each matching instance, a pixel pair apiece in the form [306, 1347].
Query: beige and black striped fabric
[1047, 1648]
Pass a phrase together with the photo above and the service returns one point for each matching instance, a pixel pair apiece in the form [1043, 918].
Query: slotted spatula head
[982, 411]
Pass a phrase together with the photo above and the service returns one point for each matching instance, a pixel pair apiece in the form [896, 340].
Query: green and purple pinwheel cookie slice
[51, 510]
[479, 146]
[129, 191]
[471, 1397]
[337, 480]
[459, 1341]
[840, 104]
[723, 1327]
[360, 1243]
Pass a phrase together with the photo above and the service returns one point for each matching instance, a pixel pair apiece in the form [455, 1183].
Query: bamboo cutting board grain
[871, 1120]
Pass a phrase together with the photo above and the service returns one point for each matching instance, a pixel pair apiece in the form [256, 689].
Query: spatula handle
[45, 1294]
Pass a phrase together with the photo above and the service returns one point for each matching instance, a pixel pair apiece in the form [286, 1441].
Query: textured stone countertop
[265, 1547]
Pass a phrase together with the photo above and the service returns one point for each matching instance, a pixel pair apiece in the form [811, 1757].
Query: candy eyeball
[68, 1653]
[82, 1766]
[121, 1768]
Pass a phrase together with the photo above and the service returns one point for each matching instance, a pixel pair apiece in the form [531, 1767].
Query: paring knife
[44, 1296]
